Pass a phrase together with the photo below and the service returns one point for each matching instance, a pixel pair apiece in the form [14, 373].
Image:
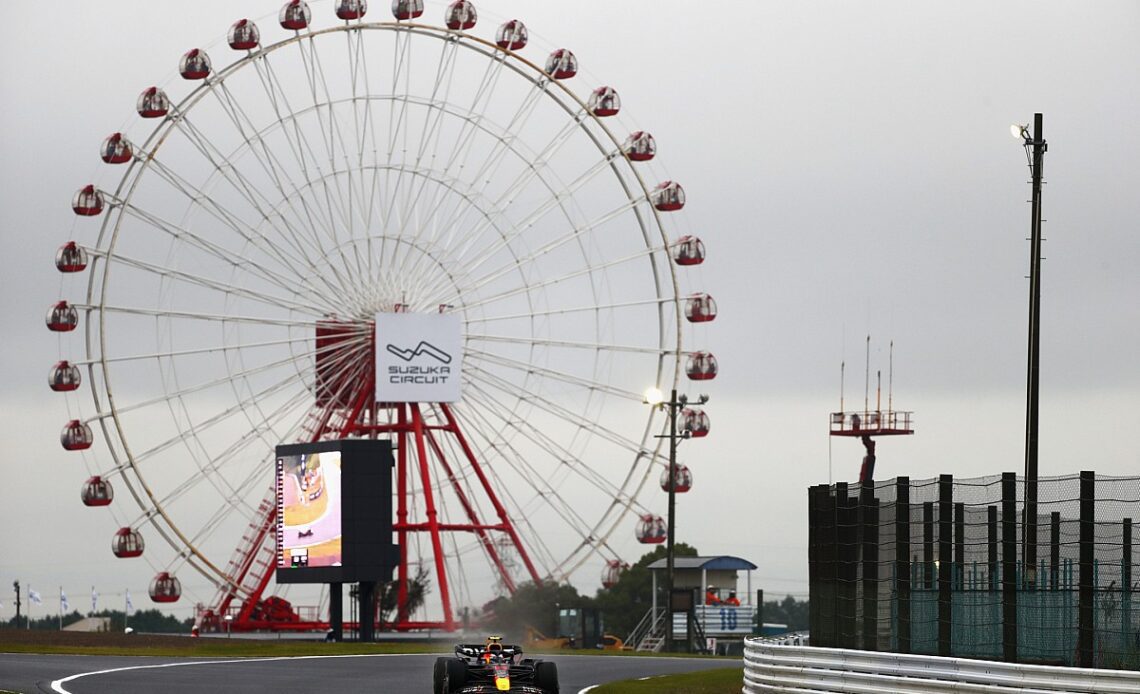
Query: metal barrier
[770, 667]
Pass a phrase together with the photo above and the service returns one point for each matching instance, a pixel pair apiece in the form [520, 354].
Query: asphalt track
[348, 674]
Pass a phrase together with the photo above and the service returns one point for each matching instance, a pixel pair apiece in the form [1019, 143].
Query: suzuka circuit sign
[419, 357]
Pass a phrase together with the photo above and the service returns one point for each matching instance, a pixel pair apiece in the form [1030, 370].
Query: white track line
[57, 685]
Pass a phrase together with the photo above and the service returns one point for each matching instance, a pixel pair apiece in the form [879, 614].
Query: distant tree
[143, 621]
[788, 611]
[534, 605]
[626, 602]
[418, 588]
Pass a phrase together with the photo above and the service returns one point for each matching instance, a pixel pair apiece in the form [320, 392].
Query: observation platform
[872, 423]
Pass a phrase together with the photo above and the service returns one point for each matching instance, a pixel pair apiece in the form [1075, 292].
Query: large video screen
[309, 527]
[334, 512]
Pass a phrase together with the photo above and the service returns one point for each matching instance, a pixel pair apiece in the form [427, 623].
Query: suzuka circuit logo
[420, 374]
[422, 348]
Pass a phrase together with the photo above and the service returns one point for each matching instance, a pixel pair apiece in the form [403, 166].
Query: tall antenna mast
[867, 379]
[891, 379]
[868, 424]
[842, 368]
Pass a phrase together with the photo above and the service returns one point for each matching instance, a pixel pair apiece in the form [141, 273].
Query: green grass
[727, 681]
[229, 648]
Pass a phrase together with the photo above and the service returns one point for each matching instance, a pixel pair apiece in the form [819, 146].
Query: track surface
[30, 673]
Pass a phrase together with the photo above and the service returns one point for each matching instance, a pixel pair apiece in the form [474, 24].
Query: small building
[90, 624]
[698, 573]
[722, 622]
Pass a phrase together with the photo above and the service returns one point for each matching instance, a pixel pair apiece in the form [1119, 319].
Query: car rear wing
[476, 650]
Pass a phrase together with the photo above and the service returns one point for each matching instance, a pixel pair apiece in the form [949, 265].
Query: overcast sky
[849, 166]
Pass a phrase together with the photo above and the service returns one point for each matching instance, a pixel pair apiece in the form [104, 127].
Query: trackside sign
[419, 357]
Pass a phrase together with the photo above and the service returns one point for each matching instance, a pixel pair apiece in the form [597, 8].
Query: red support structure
[345, 406]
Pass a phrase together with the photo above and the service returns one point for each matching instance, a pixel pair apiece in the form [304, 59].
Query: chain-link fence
[964, 568]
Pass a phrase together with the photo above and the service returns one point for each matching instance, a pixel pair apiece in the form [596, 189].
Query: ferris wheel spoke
[169, 395]
[170, 354]
[234, 497]
[491, 163]
[573, 344]
[580, 422]
[366, 136]
[568, 463]
[233, 175]
[266, 156]
[191, 315]
[475, 420]
[317, 217]
[316, 220]
[547, 282]
[464, 140]
[592, 308]
[502, 146]
[335, 134]
[213, 420]
[214, 284]
[525, 367]
[556, 201]
[325, 137]
[235, 261]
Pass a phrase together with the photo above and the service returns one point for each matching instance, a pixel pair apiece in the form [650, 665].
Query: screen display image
[309, 510]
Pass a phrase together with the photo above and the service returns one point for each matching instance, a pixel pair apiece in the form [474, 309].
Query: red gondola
[243, 35]
[604, 101]
[689, 250]
[127, 543]
[87, 202]
[668, 196]
[115, 149]
[407, 9]
[76, 436]
[683, 479]
[195, 65]
[651, 530]
[153, 103]
[70, 258]
[62, 317]
[640, 146]
[294, 15]
[97, 492]
[511, 35]
[351, 9]
[612, 572]
[695, 421]
[64, 376]
[700, 308]
[701, 366]
[561, 64]
[461, 15]
[165, 588]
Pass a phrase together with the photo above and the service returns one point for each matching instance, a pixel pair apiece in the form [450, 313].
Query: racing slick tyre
[546, 676]
[438, 675]
[455, 676]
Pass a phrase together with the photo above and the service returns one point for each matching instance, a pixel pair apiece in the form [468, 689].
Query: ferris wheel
[261, 216]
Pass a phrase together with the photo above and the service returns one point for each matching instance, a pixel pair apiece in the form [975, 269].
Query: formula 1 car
[493, 667]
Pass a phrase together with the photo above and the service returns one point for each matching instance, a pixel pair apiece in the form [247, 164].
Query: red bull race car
[493, 667]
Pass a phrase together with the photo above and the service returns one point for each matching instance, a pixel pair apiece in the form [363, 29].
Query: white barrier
[770, 667]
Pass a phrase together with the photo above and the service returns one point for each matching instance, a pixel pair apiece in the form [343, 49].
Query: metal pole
[1034, 367]
[672, 518]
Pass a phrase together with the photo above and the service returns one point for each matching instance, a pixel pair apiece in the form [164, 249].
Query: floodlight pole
[1035, 147]
[673, 405]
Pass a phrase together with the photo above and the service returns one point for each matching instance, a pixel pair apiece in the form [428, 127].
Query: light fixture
[1021, 132]
[653, 396]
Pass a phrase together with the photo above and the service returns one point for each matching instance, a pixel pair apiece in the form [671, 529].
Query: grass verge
[725, 681]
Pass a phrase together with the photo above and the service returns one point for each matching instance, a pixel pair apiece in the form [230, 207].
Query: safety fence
[771, 667]
[996, 568]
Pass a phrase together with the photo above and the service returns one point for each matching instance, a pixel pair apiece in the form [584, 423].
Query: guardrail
[770, 667]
